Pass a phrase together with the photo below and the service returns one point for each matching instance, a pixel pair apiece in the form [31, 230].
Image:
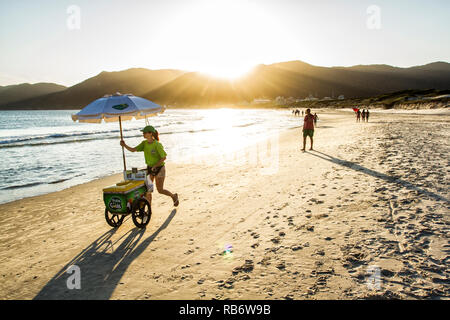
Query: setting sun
[226, 73]
[222, 38]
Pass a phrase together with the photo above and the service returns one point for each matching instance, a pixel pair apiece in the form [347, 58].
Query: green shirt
[153, 152]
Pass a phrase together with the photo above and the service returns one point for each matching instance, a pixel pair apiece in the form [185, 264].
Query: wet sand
[372, 199]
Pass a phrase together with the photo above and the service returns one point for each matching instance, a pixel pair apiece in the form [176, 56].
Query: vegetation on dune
[405, 99]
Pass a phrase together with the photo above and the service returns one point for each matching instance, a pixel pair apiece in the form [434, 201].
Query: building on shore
[261, 101]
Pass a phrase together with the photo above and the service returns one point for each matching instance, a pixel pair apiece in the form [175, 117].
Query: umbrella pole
[123, 150]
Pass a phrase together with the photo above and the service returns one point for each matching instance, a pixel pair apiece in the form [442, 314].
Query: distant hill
[289, 79]
[136, 81]
[298, 79]
[193, 88]
[25, 90]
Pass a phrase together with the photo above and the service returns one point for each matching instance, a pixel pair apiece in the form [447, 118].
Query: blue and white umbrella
[118, 107]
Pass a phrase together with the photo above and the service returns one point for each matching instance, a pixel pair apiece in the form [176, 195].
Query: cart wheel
[114, 220]
[141, 213]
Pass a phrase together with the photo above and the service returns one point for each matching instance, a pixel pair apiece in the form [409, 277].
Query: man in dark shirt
[308, 128]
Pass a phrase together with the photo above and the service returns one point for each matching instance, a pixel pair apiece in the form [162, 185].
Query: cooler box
[119, 198]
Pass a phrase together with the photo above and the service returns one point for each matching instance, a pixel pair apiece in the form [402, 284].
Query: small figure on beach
[367, 115]
[315, 119]
[363, 115]
[358, 115]
[308, 128]
[303, 113]
[154, 158]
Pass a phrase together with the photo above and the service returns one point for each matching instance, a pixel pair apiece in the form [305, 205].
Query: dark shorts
[161, 172]
[308, 132]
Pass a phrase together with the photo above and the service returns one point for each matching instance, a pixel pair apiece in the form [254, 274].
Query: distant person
[367, 115]
[308, 128]
[154, 157]
[302, 113]
[363, 115]
[315, 119]
[358, 116]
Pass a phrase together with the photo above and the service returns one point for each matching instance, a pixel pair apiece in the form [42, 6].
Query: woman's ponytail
[156, 135]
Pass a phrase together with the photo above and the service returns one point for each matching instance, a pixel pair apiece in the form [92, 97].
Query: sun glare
[224, 72]
[221, 38]
[222, 121]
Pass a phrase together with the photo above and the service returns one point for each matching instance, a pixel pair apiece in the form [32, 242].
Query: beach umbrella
[355, 109]
[118, 107]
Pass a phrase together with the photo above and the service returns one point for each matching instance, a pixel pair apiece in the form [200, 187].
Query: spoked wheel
[114, 220]
[142, 212]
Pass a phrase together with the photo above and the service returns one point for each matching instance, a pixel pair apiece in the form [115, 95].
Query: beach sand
[365, 216]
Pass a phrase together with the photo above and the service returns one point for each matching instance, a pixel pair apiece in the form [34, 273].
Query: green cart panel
[119, 198]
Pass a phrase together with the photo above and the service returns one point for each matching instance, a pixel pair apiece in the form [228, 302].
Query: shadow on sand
[102, 265]
[376, 174]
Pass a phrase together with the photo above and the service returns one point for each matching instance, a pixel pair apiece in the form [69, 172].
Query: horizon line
[217, 77]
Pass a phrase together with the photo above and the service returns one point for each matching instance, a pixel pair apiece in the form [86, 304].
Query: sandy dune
[373, 197]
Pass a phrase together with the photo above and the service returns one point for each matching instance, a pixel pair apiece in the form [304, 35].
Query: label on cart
[115, 203]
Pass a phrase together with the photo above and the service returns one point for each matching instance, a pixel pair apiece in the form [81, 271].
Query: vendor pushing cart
[133, 194]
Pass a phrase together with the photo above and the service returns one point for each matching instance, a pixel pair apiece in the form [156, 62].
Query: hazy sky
[69, 41]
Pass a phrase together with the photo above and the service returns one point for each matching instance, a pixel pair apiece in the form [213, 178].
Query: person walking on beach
[358, 115]
[367, 115]
[308, 128]
[315, 119]
[363, 115]
[154, 158]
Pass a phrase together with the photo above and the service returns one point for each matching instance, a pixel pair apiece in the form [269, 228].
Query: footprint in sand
[281, 266]
[319, 252]
[275, 240]
[265, 261]
[254, 235]
[246, 267]
[290, 221]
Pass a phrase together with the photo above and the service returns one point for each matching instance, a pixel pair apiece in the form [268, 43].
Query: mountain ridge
[294, 78]
[25, 90]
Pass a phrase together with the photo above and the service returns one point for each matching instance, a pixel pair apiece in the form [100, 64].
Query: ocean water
[45, 151]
